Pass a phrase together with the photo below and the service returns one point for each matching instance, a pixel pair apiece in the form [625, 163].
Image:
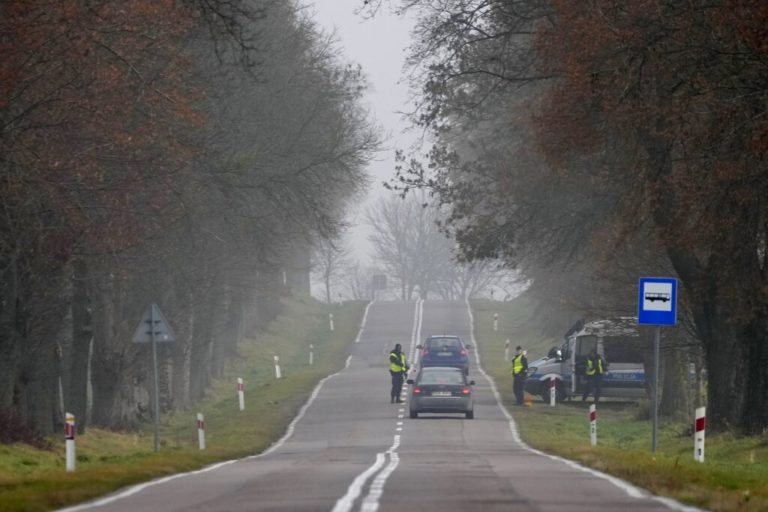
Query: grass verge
[35, 480]
[734, 476]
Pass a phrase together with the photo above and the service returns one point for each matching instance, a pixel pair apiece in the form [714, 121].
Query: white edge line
[362, 322]
[630, 489]
[274, 446]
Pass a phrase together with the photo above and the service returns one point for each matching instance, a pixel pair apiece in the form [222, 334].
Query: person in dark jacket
[595, 367]
[398, 367]
[519, 372]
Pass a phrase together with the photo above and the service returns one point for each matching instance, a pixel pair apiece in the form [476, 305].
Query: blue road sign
[657, 301]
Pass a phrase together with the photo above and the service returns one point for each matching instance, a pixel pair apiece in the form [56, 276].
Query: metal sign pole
[656, 343]
[154, 372]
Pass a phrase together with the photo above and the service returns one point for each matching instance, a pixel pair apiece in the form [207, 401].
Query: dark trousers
[397, 384]
[593, 385]
[518, 387]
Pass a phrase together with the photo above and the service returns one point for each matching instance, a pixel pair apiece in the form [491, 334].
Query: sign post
[552, 391]
[241, 393]
[69, 440]
[154, 328]
[200, 431]
[698, 435]
[657, 305]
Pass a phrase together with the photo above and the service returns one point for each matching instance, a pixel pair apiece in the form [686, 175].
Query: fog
[379, 45]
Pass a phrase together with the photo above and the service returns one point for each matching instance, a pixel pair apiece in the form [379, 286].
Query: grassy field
[733, 477]
[32, 480]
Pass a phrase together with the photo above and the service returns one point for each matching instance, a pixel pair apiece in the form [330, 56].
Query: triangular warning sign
[154, 320]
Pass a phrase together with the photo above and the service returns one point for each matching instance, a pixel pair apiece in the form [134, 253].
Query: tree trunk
[675, 396]
[82, 333]
[10, 357]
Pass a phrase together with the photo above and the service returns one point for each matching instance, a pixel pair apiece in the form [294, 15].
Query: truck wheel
[559, 391]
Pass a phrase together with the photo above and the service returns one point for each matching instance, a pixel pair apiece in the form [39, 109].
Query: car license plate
[445, 354]
[441, 393]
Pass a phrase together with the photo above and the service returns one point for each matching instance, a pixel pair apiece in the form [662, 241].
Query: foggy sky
[379, 46]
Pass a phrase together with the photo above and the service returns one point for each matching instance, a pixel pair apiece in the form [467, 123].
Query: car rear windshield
[443, 344]
[441, 377]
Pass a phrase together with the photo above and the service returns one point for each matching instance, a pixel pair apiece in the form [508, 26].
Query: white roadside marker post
[311, 354]
[241, 393]
[278, 373]
[698, 436]
[593, 425]
[200, 431]
[552, 391]
[495, 322]
[69, 436]
[330, 320]
[506, 350]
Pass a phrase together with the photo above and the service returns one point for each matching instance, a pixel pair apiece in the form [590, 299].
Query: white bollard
[241, 393]
[278, 373]
[69, 437]
[200, 431]
[698, 436]
[593, 425]
[311, 354]
[330, 320]
[506, 350]
[552, 391]
[495, 322]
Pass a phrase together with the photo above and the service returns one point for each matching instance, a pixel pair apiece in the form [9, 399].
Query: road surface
[350, 449]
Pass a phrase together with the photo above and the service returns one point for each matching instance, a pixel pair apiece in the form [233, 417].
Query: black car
[444, 351]
[441, 390]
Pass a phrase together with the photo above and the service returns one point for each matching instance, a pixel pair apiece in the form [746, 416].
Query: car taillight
[466, 390]
[417, 391]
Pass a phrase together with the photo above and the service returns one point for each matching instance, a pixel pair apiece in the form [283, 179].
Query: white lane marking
[630, 489]
[346, 502]
[362, 323]
[371, 501]
[280, 442]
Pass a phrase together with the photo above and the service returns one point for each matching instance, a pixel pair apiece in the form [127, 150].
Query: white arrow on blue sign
[657, 301]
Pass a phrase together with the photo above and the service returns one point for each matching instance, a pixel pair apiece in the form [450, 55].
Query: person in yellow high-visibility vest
[519, 372]
[398, 367]
[594, 371]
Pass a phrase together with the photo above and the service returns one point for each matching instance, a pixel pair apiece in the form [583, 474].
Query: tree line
[412, 253]
[185, 153]
[590, 143]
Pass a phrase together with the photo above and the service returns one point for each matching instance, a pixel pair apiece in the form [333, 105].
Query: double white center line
[371, 501]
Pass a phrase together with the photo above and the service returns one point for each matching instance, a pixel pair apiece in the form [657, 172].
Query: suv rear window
[443, 344]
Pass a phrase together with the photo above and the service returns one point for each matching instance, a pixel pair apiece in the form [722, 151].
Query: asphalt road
[351, 449]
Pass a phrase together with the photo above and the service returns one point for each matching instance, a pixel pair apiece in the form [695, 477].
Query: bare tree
[329, 259]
